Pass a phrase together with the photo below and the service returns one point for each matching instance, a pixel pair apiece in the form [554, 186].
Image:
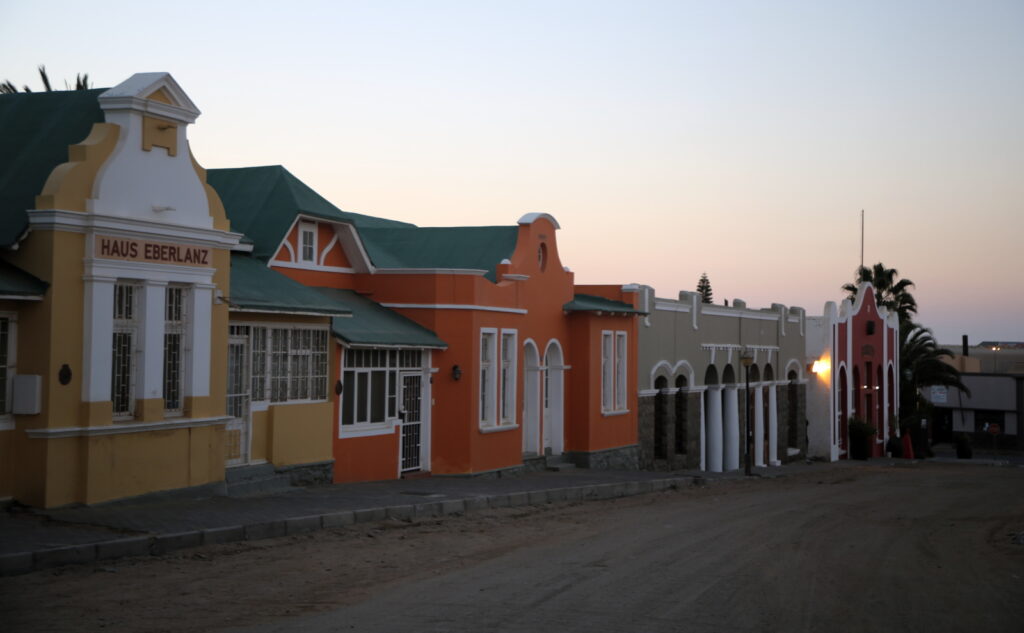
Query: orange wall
[457, 443]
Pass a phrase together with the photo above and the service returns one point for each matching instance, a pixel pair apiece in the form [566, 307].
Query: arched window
[660, 415]
[792, 412]
[681, 397]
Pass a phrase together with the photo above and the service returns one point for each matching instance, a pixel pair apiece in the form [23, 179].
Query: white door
[411, 414]
[238, 431]
[531, 400]
[554, 433]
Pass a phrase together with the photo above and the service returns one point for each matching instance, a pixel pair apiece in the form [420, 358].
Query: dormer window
[307, 243]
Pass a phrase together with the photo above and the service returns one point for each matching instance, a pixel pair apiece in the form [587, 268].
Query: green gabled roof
[36, 129]
[373, 324]
[262, 203]
[255, 287]
[465, 247]
[591, 303]
[15, 282]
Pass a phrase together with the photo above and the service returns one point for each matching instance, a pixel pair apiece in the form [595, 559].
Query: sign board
[133, 250]
[940, 394]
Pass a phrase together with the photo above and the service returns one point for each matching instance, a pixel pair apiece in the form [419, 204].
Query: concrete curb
[159, 544]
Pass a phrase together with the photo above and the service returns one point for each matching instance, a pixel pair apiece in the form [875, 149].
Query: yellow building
[115, 293]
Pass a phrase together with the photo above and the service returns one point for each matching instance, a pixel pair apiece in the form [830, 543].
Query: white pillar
[150, 353]
[714, 424]
[703, 434]
[773, 427]
[198, 351]
[758, 426]
[98, 325]
[731, 416]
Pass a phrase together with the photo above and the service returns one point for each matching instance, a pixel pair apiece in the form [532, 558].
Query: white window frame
[270, 364]
[393, 363]
[132, 326]
[310, 229]
[508, 370]
[180, 327]
[487, 377]
[621, 373]
[614, 372]
[607, 374]
[9, 368]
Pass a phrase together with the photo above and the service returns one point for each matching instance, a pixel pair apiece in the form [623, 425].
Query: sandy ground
[876, 547]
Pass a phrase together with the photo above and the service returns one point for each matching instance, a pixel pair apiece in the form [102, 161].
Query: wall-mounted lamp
[456, 372]
[820, 367]
[64, 375]
[338, 388]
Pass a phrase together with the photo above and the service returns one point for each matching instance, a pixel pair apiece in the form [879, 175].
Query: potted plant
[861, 434]
[963, 446]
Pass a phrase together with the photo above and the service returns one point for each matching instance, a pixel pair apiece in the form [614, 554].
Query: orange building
[468, 350]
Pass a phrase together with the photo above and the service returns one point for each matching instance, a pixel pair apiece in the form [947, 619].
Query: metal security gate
[412, 422]
[238, 431]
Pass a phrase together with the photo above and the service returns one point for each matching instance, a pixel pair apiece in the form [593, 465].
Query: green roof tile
[464, 247]
[373, 324]
[262, 203]
[16, 282]
[35, 131]
[591, 303]
[258, 288]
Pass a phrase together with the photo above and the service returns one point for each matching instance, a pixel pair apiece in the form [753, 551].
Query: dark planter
[861, 435]
[963, 447]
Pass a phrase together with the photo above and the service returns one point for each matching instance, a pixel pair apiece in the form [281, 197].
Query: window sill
[612, 414]
[499, 428]
[367, 430]
[290, 402]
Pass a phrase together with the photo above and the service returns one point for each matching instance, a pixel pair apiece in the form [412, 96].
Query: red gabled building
[854, 354]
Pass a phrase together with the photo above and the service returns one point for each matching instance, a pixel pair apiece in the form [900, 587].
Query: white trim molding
[130, 427]
[453, 306]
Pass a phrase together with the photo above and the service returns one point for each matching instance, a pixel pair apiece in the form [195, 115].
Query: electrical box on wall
[28, 394]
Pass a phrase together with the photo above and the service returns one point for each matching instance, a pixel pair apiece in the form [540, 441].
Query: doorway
[238, 430]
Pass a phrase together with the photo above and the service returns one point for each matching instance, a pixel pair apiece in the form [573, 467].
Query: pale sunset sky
[740, 139]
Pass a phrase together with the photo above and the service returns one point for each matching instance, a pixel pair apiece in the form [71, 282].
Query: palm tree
[81, 83]
[890, 293]
[921, 365]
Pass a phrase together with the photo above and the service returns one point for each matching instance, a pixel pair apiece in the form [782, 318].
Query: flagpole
[862, 238]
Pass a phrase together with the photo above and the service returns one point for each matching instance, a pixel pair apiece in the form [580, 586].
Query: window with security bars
[259, 351]
[288, 364]
[7, 368]
[508, 378]
[126, 331]
[174, 347]
[279, 365]
[488, 382]
[370, 384]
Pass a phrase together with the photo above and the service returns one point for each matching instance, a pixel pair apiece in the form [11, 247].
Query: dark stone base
[621, 458]
[313, 474]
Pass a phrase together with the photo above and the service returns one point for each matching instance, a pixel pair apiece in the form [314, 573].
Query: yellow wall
[300, 433]
[45, 340]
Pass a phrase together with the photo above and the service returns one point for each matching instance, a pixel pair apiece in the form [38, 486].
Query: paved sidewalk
[33, 539]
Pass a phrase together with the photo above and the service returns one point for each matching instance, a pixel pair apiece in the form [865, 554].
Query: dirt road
[850, 548]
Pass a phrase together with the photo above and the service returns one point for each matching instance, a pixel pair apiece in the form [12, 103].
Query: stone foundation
[621, 458]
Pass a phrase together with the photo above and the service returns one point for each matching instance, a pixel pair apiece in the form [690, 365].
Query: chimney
[966, 353]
